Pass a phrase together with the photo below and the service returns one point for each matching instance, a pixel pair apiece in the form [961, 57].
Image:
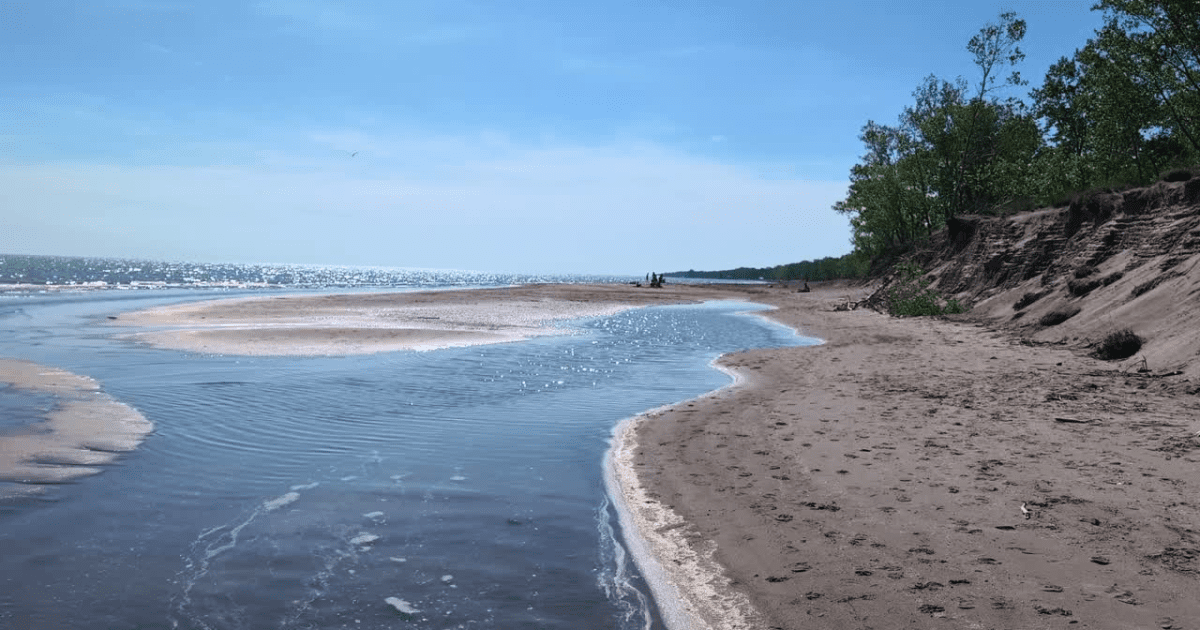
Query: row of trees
[852, 265]
[1124, 108]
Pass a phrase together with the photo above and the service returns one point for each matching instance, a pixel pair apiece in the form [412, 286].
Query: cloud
[474, 202]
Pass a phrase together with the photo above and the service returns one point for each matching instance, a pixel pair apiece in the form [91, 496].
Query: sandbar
[85, 429]
[361, 323]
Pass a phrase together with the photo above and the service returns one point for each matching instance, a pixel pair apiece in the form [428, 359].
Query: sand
[381, 322]
[86, 429]
[878, 480]
[906, 473]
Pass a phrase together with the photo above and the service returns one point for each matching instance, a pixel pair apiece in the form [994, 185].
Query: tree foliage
[1123, 109]
[1125, 106]
[852, 265]
[952, 151]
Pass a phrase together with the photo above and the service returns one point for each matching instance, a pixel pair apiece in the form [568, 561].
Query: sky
[570, 136]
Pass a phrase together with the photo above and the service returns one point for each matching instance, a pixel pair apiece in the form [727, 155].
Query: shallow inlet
[297, 491]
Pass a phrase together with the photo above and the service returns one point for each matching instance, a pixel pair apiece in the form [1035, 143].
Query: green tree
[1125, 107]
[949, 154]
[1157, 42]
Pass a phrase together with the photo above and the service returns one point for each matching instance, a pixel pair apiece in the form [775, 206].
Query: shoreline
[285, 325]
[879, 478]
[696, 593]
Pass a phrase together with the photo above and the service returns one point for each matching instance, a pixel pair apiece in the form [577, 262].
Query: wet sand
[85, 429]
[381, 322]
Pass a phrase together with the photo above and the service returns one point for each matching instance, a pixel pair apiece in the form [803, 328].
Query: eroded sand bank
[85, 429]
[381, 322]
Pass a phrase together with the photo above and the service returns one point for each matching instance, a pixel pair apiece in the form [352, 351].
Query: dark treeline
[1119, 112]
[852, 265]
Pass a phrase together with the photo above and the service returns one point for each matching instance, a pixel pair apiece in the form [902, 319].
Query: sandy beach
[922, 473]
[906, 473]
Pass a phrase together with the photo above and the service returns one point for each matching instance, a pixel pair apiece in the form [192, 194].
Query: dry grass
[1054, 318]
[1121, 344]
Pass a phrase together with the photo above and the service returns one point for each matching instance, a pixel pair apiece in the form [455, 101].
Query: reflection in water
[458, 488]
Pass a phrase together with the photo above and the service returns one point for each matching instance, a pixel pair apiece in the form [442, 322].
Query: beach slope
[914, 472]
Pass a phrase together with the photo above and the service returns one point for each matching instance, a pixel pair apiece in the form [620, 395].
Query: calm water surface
[304, 492]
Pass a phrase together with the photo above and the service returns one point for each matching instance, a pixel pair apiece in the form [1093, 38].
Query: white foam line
[618, 586]
[765, 316]
[689, 585]
[228, 539]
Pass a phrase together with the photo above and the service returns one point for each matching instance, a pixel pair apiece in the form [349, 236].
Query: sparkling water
[457, 488]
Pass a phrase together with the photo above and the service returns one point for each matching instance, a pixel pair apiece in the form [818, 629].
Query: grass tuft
[1121, 344]
[910, 295]
[1178, 175]
[1027, 299]
[1054, 318]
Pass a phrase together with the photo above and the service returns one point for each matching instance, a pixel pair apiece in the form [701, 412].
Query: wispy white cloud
[482, 202]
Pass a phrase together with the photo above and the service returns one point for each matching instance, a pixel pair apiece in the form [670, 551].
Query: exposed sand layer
[85, 429]
[381, 322]
[919, 473]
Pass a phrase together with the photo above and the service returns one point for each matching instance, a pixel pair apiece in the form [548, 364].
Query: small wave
[616, 576]
[278, 502]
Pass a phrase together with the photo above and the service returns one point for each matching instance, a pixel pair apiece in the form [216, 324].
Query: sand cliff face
[1105, 262]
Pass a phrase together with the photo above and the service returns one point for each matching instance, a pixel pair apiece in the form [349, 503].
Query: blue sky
[576, 137]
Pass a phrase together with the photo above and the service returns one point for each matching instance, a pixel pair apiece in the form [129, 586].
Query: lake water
[464, 484]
